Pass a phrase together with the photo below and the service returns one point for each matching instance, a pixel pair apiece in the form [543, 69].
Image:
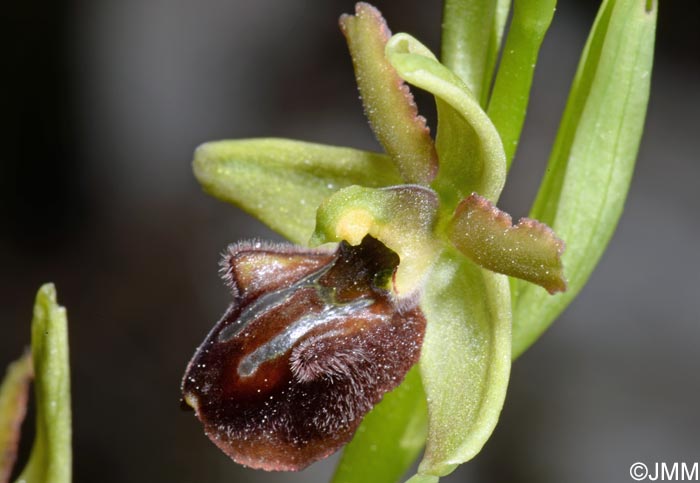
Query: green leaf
[511, 91]
[14, 393]
[282, 182]
[390, 437]
[401, 217]
[469, 148]
[388, 102]
[584, 190]
[465, 359]
[529, 250]
[51, 457]
[471, 37]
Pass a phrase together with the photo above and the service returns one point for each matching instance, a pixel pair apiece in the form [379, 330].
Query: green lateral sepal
[282, 182]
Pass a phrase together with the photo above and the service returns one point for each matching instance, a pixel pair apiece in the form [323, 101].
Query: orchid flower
[403, 258]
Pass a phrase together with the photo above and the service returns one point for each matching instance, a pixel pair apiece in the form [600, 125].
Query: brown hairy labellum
[311, 342]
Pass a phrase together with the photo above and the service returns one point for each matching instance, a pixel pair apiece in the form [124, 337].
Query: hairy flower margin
[432, 204]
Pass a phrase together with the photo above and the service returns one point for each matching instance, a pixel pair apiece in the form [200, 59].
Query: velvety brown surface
[303, 402]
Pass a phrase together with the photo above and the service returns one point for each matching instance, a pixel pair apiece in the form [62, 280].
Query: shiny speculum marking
[311, 342]
[272, 300]
[283, 342]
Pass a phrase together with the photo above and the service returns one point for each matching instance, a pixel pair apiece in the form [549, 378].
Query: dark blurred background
[103, 103]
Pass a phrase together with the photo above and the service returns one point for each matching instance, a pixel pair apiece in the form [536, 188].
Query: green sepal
[465, 359]
[469, 148]
[402, 217]
[282, 182]
[390, 437]
[511, 90]
[50, 460]
[589, 172]
[388, 103]
[14, 395]
[529, 250]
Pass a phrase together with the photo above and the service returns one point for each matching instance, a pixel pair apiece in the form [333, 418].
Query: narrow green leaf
[390, 437]
[511, 90]
[469, 147]
[584, 190]
[14, 394]
[529, 250]
[51, 458]
[471, 37]
[465, 359]
[282, 182]
[401, 217]
[388, 102]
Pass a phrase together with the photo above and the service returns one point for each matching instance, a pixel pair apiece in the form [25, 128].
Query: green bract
[50, 460]
[471, 38]
[511, 90]
[51, 457]
[591, 165]
[433, 203]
